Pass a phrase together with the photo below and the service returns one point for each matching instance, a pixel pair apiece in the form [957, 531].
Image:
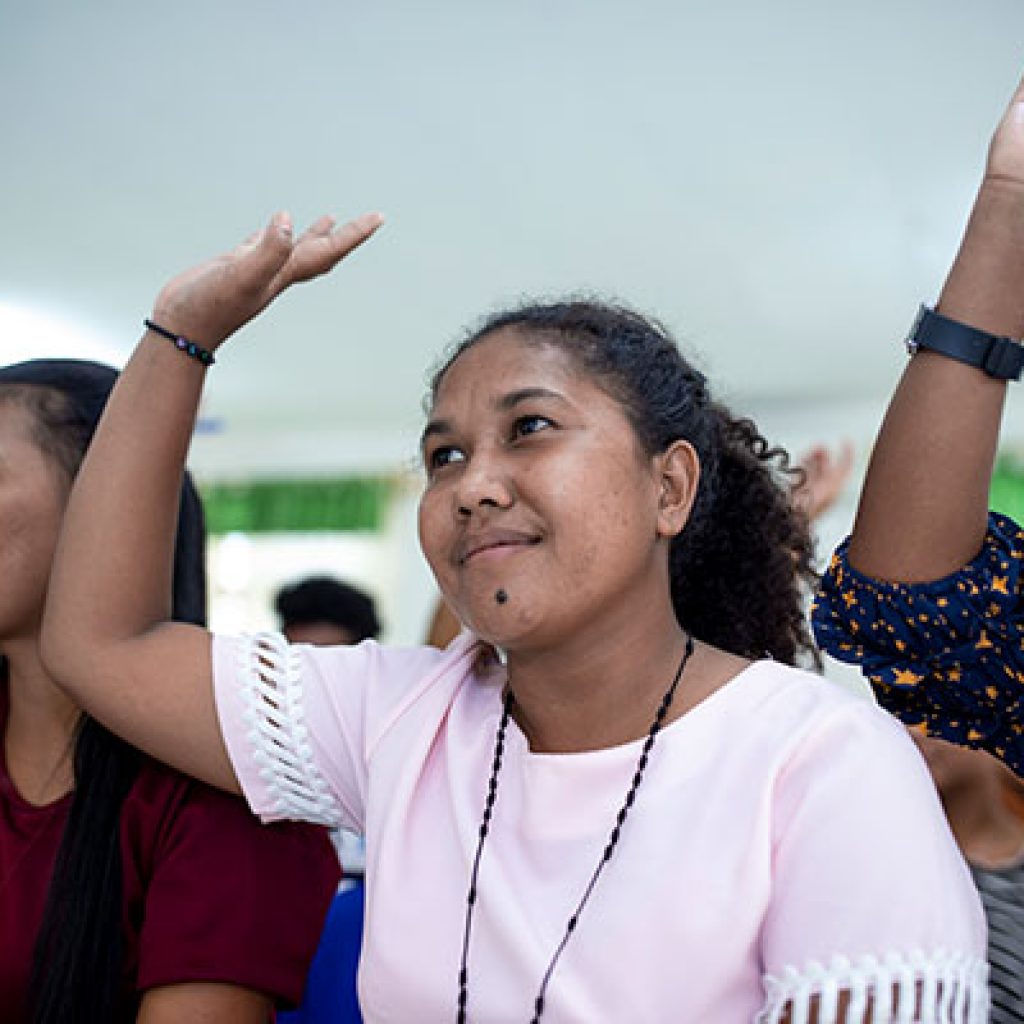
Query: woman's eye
[530, 425]
[444, 456]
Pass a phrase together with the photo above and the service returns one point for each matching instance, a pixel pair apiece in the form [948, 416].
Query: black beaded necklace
[613, 839]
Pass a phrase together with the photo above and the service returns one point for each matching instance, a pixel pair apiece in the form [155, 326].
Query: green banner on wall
[297, 506]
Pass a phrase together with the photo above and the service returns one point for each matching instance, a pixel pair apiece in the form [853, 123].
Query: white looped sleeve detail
[943, 988]
[270, 677]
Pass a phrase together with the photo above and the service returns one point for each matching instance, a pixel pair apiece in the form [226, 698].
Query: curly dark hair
[741, 568]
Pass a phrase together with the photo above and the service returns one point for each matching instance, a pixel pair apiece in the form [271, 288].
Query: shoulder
[854, 809]
[843, 760]
[789, 731]
[213, 895]
[800, 703]
[819, 734]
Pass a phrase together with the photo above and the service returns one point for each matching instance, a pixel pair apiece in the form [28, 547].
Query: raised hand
[825, 475]
[209, 302]
[112, 647]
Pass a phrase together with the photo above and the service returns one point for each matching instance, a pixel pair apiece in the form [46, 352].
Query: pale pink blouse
[786, 842]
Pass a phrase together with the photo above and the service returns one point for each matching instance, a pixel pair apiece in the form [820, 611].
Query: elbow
[54, 650]
[64, 649]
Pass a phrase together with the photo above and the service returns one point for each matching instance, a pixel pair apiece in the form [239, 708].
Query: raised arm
[923, 510]
[106, 638]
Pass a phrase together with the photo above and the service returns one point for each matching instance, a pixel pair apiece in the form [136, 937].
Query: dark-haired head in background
[324, 611]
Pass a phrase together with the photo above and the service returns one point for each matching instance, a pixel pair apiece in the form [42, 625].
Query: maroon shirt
[210, 894]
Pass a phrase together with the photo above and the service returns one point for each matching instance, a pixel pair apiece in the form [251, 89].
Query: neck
[603, 687]
[987, 831]
[41, 720]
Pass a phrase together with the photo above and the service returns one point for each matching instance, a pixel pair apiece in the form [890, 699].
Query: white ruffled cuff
[269, 673]
[915, 988]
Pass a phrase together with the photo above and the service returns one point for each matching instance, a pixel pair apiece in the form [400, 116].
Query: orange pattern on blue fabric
[946, 656]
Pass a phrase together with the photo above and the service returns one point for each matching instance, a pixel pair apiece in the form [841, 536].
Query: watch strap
[999, 357]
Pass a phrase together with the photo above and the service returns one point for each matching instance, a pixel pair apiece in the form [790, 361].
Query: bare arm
[923, 510]
[106, 638]
[204, 1003]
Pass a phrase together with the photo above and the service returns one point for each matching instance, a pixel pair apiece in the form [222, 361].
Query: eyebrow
[503, 404]
[513, 398]
[432, 428]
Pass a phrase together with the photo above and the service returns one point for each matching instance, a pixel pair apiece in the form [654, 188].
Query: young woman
[602, 802]
[926, 594]
[127, 892]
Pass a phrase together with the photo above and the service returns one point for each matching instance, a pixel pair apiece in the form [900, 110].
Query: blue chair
[330, 996]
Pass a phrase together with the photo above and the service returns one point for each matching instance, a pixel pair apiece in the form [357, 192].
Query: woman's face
[541, 515]
[32, 497]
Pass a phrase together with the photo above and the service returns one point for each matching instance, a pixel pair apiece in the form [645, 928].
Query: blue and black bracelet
[190, 348]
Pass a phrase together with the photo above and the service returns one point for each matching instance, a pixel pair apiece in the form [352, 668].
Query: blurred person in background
[325, 611]
[973, 787]
[128, 892]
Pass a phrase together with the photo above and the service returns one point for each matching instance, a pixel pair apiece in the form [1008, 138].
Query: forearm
[923, 509]
[106, 638]
[204, 1003]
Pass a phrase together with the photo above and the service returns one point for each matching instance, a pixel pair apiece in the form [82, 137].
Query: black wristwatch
[1002, 358]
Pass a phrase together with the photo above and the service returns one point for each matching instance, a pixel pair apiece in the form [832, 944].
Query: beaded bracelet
[190, 348]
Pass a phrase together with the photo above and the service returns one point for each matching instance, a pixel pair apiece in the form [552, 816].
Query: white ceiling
[780, 182]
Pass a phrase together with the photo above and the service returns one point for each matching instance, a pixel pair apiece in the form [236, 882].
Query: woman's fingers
[211, 301]
[321, 227]
[321, 247]
[259, 263]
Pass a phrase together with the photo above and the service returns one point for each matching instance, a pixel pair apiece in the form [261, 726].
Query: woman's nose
[484, 484]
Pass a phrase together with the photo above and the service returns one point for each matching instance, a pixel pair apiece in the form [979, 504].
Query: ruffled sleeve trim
[856, 616]
[947, 655]
[943, 988]
[269, 674]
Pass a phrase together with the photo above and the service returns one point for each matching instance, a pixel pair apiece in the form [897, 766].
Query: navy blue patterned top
[946, 655]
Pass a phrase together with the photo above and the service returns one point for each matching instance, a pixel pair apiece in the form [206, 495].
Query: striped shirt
[1002, 893]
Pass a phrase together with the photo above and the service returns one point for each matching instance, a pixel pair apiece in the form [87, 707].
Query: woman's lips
[498, 544]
